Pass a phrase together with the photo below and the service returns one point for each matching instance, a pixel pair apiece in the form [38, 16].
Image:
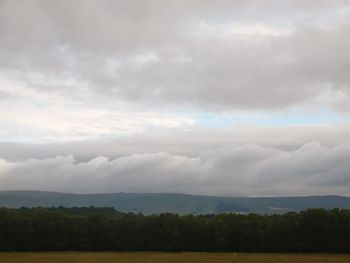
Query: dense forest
[104, 229]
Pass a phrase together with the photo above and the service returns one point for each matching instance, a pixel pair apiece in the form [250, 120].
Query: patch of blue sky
[264, 118]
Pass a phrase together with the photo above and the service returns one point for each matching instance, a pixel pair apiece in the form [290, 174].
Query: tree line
[104, 229]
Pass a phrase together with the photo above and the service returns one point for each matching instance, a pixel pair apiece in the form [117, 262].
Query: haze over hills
[149, 203]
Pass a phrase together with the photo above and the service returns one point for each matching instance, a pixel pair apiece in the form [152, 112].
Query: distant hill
[175, 203]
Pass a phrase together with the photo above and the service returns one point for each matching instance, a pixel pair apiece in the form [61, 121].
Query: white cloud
[188, 141]
[145, 58]
[229, 170]
[233, 31]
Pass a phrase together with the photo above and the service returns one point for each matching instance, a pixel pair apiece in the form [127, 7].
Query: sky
[232, 98]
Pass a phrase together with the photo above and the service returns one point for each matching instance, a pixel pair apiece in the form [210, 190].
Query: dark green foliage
[104, 229]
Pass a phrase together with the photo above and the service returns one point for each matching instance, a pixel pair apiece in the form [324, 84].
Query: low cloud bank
[246, 170]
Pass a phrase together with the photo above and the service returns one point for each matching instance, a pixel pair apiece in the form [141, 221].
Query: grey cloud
[95, 44]
[183, 142]
[85, 69]
[229, 170]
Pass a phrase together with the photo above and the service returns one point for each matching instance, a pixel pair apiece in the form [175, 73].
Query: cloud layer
[223, 56]
[229, 170]
[195, 96]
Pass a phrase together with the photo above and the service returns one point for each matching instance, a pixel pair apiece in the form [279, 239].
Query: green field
[77, 257]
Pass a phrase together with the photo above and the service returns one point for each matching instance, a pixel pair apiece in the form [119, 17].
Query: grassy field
[77, 257]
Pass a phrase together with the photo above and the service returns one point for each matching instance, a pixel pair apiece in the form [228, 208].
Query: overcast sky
[217, 97]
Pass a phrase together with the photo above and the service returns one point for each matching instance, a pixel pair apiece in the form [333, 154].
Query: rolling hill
[148, 203]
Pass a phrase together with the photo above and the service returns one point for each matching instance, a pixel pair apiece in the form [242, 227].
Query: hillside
[175, 203]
